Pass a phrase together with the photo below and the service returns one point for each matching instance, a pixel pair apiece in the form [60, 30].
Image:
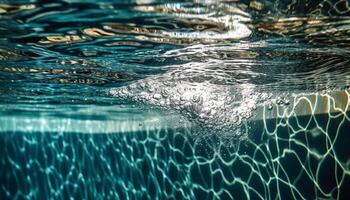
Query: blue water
[151, 99]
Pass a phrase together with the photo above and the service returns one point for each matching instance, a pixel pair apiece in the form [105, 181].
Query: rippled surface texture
[152, 99]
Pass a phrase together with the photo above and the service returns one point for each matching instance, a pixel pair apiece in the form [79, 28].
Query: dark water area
[192, 99]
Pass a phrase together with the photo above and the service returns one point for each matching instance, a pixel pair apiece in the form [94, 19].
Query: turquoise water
[150, 99]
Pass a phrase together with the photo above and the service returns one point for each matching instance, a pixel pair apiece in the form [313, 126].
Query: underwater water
[158, 99]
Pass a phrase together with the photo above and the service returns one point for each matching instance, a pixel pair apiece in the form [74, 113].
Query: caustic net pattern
[292, 156]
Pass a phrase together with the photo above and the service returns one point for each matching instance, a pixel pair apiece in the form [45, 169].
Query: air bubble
[150, 89]
[196, 99]
[157, 96]
[269, 106]
[141, 85]
[235, 119]
[165, 93]
[279, 100]
[286, 102]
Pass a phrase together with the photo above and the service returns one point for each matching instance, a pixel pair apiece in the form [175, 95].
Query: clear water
[151, 99]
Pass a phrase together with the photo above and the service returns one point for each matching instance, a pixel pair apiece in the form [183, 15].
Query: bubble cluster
[219, 109]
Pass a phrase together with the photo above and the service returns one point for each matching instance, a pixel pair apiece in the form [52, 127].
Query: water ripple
[213, 61]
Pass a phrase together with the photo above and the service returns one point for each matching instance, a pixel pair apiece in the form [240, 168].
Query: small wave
[212, 61]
